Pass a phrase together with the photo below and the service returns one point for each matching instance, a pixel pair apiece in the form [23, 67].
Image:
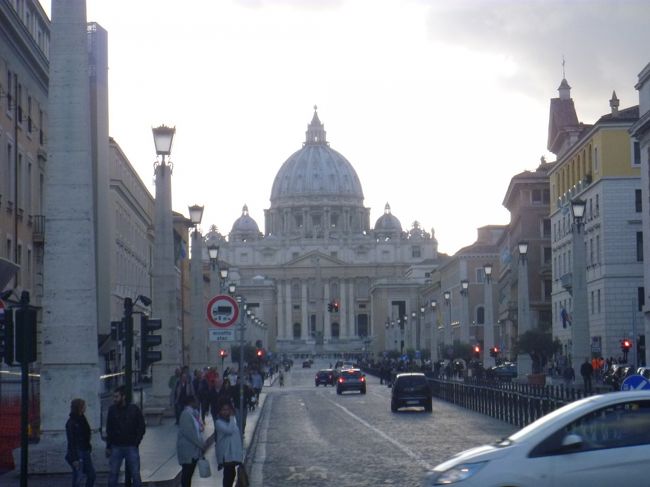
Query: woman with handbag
[78, 454]
[189, 441]
[229, 450]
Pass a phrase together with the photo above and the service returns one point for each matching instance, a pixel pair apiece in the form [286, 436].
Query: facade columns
[352, 332]
[303, 310]
[280, 310]
[288, 324]
[327, 332]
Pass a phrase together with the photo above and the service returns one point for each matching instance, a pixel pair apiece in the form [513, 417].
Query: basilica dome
[388, 223]
[316, 171]
[244, 227]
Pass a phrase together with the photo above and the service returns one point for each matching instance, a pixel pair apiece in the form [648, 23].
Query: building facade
[600, 165]
[319, 252]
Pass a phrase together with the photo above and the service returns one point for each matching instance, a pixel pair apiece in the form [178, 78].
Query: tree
[540, 345]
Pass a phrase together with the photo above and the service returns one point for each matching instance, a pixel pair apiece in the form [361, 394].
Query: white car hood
[481, 453]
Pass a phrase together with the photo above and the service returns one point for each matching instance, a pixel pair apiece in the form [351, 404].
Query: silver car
[599, 441]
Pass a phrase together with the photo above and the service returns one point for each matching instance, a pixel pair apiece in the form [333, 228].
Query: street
[309, 435]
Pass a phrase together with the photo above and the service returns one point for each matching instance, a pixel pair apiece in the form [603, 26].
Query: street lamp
[580, 346]
[464, 326]
[448, 334]
[232, 288]
[163, 271]
[198, 350]
[434, 333]
[488, 327]
[213, 253]
[163, 137]
[524, 362]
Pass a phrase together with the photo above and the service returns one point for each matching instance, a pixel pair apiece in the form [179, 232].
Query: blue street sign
[635, 383]
[418, 354]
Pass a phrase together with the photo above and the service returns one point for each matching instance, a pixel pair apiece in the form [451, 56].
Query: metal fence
[512, 402]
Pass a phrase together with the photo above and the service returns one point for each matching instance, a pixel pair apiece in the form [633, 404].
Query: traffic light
[223, 354]
[477, 351]
[494, 352]
[148, 341]
[6, 336]
[260, 354]
[335, 306]
[25, 333]
[626, 344]
[330, 307]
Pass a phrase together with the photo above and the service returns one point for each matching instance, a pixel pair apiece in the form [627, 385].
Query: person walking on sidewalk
[229, 450]
[78, 456]
[189, 441]
[586, 371]
[125, 429]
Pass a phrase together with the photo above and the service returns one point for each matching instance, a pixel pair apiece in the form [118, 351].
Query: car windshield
[411, 381]
[352, 374]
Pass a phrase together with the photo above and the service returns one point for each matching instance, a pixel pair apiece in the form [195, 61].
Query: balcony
[567, 281]
[38, 235]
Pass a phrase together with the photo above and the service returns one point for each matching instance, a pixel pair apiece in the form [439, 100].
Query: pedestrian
[568, 375]
[257, 382]
[229, 450]
[184, 389]
[245, 395]
[78, 456]
[189, 441]
[586, 371]
[173, 380]
[125, 429]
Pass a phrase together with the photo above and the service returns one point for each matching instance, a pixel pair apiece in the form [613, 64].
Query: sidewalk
[158, 463]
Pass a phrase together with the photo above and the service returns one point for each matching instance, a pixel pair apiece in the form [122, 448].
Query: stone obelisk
[69, 367]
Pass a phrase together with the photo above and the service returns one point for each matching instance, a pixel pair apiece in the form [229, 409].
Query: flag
[566, 317]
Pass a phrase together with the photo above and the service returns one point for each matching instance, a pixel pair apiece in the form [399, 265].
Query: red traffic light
[222, 353]
[626, 344]
[477, 349]
[260, 353]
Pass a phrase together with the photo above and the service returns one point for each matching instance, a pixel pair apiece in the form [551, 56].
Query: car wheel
[316, 384]
[393, 407]
[429, 407]
[339, 391]
[363, 391]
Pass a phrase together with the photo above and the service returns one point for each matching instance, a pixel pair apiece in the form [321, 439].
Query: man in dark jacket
[586, 371]
[125, 428]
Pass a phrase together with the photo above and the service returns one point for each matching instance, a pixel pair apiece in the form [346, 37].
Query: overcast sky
[436, 104]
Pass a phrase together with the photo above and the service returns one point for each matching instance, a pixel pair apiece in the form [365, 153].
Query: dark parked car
[325, 377]
[409, 390]
[306, 364]
[351, 379]
[505, 371]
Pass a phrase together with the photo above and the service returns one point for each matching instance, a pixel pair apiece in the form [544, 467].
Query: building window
[336, 330]
[362, 325]
[593, 303]
[480, 315]
[296, 331]
[548, 255]
[638, 198]
[636, 153]
[537, 196]
[480, 275]
[548, 289]
[546, 228]
[597, 205]
[639, 246]
[640, 292]
[597, 249]
[598, 301]
[415, 251]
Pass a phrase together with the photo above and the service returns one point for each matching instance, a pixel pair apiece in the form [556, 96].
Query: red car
[325, 377]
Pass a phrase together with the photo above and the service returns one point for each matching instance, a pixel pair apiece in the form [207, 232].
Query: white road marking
[399, 445]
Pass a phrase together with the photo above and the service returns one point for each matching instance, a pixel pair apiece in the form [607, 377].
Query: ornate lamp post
[163, 272]
[488, 326]
[464, 326]
[524, 362]
[448, 332]
[434, 333]
[198, 349]
[580, 340]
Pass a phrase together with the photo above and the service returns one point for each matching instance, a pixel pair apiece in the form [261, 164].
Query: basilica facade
[320, 277]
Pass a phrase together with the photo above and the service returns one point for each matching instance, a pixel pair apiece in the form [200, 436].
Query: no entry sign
[223, 311]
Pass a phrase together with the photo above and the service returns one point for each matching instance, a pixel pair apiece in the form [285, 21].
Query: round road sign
[223, 311]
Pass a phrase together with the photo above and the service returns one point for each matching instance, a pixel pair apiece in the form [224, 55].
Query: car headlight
[457, 473]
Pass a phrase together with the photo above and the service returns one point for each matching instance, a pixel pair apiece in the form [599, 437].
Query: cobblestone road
[312, 436]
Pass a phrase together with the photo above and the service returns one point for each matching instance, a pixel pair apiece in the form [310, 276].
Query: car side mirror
[572, 441]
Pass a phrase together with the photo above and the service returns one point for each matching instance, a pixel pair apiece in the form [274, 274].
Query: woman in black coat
[78, 455]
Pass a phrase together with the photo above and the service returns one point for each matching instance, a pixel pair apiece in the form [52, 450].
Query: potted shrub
[541, 346]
